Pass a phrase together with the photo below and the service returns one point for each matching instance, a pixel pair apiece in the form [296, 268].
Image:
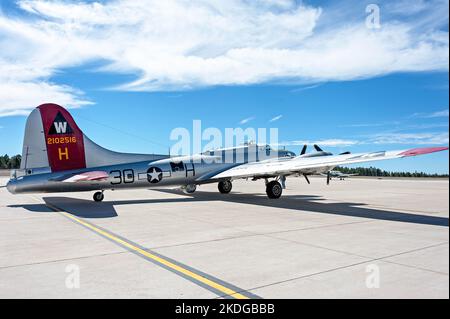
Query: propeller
[307, 179]
[317, 148]
[319, 152]
[328, 177]
[305, 147]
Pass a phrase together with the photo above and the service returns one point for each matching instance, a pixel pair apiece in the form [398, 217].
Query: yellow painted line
[167, 263]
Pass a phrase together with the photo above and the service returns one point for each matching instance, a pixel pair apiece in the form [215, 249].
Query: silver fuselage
[179, 171]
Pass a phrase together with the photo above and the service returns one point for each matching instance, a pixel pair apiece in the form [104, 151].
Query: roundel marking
[154, 175]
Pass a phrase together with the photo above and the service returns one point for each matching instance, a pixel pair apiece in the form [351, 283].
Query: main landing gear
[189, 189]
[274, 189]
[225, 187]
[98, 196]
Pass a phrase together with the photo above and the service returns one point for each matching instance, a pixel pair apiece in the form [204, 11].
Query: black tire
[274, 190]
[225, 187]
[98, 196]
[189, 189]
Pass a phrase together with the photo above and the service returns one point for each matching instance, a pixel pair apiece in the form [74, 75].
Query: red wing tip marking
[424, 150]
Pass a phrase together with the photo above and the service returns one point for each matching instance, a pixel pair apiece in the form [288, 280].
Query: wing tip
[423, 150]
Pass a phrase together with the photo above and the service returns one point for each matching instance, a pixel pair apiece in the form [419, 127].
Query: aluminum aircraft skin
[58, 157]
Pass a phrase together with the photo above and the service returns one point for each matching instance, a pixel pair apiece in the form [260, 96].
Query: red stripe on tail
[64, 140]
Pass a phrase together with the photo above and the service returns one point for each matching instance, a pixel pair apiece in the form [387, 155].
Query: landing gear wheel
[274, 190]
[98, 196]
[225, 187]
[189, 189]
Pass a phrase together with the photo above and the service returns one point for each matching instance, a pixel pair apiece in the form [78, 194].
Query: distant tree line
[373, 171]
[7, 162]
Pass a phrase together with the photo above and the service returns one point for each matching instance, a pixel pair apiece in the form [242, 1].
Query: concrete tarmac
[358, 238]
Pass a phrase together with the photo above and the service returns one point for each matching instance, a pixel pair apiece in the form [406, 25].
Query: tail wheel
[225, 187]
[274, 190]
[98, 196]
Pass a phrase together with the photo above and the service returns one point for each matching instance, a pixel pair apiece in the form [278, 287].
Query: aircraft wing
[299, 165]
[84, 177]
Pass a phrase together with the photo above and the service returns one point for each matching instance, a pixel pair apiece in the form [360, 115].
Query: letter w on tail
[60, 127]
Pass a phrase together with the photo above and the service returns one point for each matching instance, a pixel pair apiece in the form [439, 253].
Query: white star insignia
[154, 174]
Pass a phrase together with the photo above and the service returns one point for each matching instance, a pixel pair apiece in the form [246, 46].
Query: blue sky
[315, 66]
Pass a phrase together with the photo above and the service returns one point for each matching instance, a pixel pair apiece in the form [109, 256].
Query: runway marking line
[211, 284]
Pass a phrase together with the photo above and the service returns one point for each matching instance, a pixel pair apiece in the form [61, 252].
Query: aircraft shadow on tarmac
[306, 203]
[75, 206]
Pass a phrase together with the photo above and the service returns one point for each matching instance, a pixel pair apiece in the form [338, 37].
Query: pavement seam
[318, 227]
[416, 267]
[407, 210]
[246, 236]
[347, 266]
[63, 259]
[319, 247]
[369, 257]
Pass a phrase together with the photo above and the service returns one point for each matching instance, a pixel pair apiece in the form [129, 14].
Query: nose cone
[11, 186]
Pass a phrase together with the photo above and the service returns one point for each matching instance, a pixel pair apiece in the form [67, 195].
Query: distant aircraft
[337, 174]
[319, 152]
[58, 157]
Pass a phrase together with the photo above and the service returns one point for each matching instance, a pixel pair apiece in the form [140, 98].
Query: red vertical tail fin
[53, 141]
[63, 139]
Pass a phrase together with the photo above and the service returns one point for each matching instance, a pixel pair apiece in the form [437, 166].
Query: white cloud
[17, 98]
[407, 7]
[245, 121]
[305, 88]
[443, 113]
[411, 138]
[371, 124]
[178, 45]
[428, 138]
[325, 142]
[423, 126]
[276, 118]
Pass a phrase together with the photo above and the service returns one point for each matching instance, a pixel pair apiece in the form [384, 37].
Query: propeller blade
[317, 148]
[303, 152]
[328, 178]
[307, 179]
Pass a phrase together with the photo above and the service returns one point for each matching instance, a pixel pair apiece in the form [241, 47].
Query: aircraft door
[182, 169]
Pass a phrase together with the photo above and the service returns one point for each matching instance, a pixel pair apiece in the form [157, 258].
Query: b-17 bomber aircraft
[58, 157]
